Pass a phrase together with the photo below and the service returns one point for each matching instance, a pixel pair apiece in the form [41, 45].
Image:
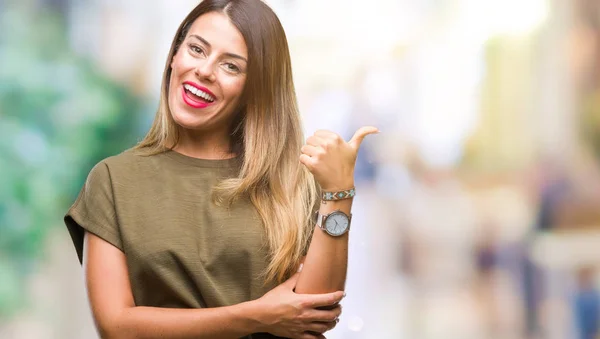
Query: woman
[199, 230]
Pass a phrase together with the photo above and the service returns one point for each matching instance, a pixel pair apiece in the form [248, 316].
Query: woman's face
[208, 74]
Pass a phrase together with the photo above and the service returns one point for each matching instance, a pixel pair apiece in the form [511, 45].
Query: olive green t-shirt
[182, 250]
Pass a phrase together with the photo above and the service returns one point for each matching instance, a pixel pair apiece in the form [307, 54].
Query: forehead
[219, 31]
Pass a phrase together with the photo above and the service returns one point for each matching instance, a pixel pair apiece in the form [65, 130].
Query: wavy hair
[266, 133]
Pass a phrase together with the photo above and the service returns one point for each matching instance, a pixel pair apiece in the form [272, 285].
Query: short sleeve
[94, 211]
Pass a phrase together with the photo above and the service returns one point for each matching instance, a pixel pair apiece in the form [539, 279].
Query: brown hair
[266, 133]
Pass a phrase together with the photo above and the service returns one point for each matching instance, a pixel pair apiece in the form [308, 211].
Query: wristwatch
[335, 223]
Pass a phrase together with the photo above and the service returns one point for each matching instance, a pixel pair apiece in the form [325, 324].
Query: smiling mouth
[197, 94]
[195, 100]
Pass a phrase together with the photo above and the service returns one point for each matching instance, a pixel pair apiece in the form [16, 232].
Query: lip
[195, 104]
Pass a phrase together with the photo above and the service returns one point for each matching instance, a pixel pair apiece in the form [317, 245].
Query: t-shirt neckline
[198, 162]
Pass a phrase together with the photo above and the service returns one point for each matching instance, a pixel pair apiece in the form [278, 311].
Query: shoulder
[130, 168]
[128, 165]
[127, 159]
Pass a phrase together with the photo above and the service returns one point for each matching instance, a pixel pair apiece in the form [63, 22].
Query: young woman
[199, 231]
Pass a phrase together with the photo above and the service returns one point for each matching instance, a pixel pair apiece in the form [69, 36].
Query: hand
[290, 315]
[331, 160]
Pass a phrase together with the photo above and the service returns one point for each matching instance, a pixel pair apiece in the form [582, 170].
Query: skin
[206, 57]
[331, 160]
[313, 308]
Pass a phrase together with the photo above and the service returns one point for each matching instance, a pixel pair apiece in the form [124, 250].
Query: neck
[204, 145]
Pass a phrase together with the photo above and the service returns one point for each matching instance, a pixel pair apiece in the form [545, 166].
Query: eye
[232, 68]
[196, 49]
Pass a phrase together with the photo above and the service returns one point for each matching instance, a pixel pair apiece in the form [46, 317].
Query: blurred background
[478, 212]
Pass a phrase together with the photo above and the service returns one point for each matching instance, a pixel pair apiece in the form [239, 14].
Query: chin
[209, 119]
[188, 122]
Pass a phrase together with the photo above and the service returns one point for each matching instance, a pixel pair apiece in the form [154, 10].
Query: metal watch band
[339, 195]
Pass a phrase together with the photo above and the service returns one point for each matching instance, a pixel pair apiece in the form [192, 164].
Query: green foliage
[58, 117]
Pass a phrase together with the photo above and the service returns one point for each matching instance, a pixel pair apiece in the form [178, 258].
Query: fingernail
[344, 295]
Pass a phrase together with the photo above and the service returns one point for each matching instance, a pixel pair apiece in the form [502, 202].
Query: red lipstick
[194, 101]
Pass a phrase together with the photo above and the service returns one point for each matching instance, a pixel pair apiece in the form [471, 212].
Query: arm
[116, 315]
[280, 311]
[332, 161]
[326, 262]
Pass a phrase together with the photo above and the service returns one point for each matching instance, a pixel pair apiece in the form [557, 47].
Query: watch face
[337, 223]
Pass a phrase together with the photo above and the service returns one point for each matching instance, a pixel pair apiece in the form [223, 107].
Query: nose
[205, 71]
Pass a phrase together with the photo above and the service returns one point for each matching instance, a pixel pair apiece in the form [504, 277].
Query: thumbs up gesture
[331, 159]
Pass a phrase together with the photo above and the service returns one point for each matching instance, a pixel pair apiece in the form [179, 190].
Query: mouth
[197, 96]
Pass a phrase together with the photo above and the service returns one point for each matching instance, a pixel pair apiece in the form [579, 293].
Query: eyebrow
[231, 55]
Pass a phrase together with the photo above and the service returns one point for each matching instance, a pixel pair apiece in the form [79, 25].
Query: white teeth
[198, 92]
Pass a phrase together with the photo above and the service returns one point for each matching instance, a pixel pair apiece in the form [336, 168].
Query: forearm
[331, 160]
[326, 262]
[152, 322]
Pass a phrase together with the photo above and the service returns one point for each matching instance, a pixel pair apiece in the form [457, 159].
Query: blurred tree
[588, 17]
[58, 117]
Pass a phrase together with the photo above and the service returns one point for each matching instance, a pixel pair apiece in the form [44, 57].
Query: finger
[319, 300]
[291, 282]
[312, 151]
[325, 316]
[330, 325]
[361, 134]
[315, 141]
[308, 335]
[307, 161]
[329, 137]
[319, 326]
[301, 264]
[325, 134]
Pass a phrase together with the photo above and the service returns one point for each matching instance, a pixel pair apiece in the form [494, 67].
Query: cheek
[234, 87]
[176, 66]
[182, 63]
[172, 85]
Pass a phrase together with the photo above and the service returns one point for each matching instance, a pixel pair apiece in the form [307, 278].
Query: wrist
[252, 314]
[336, 205]
[340, 186]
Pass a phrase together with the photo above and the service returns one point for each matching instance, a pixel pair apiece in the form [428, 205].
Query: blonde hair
[266, 134]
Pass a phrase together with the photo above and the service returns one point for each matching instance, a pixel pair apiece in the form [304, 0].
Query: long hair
[266, 134]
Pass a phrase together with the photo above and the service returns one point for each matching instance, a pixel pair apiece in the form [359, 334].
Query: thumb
[291, 282]
[361, 134]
